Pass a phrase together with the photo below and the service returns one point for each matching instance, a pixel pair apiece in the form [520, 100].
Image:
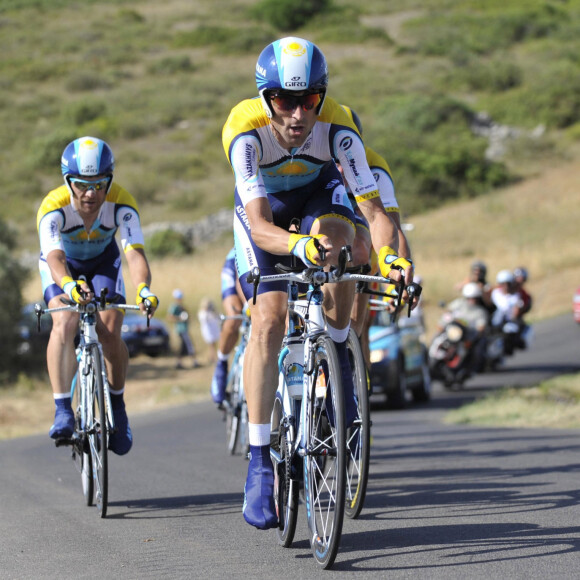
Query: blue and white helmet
[87, 157]
[291, 64]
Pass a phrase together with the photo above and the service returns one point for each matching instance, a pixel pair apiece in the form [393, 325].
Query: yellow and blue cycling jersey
[61, 228]
[384, 180]
[262, 166]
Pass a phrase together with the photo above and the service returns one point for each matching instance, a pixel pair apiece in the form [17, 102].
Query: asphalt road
[443, 501]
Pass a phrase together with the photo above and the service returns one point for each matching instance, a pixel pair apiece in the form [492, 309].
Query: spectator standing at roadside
[178, 314]
[210, 327]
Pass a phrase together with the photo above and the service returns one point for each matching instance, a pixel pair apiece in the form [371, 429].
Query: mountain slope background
[476, 106]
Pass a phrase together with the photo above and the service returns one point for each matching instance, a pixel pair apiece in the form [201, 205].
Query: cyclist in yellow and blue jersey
[232, 306]
[77, 223]
[362, 247]
[282, 147]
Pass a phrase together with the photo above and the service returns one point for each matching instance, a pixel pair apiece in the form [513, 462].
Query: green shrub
[83, 111]
[288, 15]
[435, 157]
[168, 243]
[47, 150]
[170, 65]
[12, 278]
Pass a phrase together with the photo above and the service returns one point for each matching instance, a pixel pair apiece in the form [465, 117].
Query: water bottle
[294, 369]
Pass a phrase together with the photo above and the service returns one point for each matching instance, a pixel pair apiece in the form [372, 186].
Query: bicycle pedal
[63, 441]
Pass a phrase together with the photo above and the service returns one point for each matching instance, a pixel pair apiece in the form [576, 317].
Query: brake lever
[148, 310]
[320, 249]
[253, 277]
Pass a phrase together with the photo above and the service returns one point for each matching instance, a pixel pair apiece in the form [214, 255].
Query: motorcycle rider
[469, 309]
[507, 316]
[478, 274]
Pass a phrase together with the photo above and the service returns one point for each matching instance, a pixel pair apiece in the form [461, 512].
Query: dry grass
[552, 404]
[532, 224]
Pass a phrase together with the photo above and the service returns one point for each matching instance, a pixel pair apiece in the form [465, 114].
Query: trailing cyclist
[281, 147]
[77, 223]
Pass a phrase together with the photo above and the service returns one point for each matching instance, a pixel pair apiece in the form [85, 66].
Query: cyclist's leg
[231, 305]
[260, 381]
[61, 360]
[361, 255]
[116, 361]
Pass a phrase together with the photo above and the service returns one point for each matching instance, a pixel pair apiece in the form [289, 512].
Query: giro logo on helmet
[296, 84]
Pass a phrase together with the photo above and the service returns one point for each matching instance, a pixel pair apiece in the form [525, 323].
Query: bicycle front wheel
[97, 429]
[81, 450]
[358, 436]
[324, 460]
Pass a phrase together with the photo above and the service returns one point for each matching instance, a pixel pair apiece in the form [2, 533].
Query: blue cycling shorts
[324, 198]
[104, 271]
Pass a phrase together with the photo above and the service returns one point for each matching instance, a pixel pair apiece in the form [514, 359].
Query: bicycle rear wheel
[286, 487]
[97, 429]
[358, 435]
[325, 461]
[233, 410]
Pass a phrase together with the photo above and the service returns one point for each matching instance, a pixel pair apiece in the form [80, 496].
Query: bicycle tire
[233, 410]
[359, 435]
[286, 488]
[325, 457]
[81, 450]
[98, 429]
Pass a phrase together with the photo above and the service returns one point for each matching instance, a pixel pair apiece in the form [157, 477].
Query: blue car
[399, 361]
[152, 340]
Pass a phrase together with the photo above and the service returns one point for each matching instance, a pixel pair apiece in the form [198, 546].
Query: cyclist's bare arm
[139, 269]
[404, 249]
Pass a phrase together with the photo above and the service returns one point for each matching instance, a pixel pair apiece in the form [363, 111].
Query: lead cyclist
[77, 223]
[281, 147]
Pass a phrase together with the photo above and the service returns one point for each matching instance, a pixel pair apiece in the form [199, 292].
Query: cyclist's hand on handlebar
[77, 290]
[146, 299]
[304, 248]
[391, 266]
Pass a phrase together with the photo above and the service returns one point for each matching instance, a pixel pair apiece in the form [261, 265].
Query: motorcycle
[452, 353]
[505, 337]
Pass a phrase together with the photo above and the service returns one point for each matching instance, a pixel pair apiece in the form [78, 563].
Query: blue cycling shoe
[64, 423]
[121, 440]
[259, 507]
[219, 382]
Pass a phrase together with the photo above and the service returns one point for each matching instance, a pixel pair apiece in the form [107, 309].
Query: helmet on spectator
[479, 265]
[355, 118]
[288, 65]
[521, 273]
[504, 277]
[472, 290]
[87, 157]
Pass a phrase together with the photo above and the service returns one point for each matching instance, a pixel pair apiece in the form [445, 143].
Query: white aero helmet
[472, 290]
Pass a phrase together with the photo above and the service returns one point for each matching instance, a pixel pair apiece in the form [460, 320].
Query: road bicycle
[309, 435]
[235, 406]
[91, 400]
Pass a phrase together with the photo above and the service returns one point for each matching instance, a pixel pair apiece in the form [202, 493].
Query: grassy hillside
[158, 80]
